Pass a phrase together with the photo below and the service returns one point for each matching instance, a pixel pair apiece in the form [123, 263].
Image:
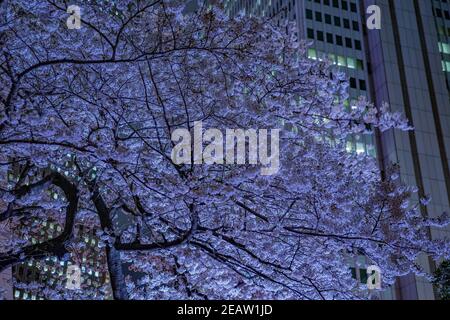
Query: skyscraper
[335, 32]
[409, 60]
[6, 275]
[85, 263]
[52, 272]
[405, 64]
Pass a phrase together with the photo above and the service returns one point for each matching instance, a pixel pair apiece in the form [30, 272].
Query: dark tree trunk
[118, 285]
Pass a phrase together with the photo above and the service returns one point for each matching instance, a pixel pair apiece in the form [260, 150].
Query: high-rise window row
[442, 13]
[339, 40]
[330, 19]
[340, 4]
[338, 60]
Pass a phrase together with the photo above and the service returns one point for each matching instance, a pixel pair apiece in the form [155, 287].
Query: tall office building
[6, 281]
[406, 64]
[336, 33]
[85, 266]
[51, 272]
[410, 60]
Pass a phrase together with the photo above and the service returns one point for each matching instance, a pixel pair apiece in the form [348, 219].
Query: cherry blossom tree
[89, 113]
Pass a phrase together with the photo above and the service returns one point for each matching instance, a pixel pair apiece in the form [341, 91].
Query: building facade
[6, 281]
[409, 60]
[86, 268]
[406, 64]
[335, 31]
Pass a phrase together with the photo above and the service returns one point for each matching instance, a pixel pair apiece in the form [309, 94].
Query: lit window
[351, 63]
[346, 103]
[312, 54]
[320, 55]
[332, 58]
[349, 147]
[360, 148]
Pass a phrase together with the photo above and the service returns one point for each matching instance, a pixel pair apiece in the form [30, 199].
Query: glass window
[351, 63]
[359, 64]
[348, 42]
[349, 148]
[329, 37]
[337, 21]
[446, 48]
[344, 5]
[360, 148]
[319, 55]
[332, 58]
[318, 16]
[320, 35]
[346, 23]
[362, 85]
[312, 54]
[346, 103]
